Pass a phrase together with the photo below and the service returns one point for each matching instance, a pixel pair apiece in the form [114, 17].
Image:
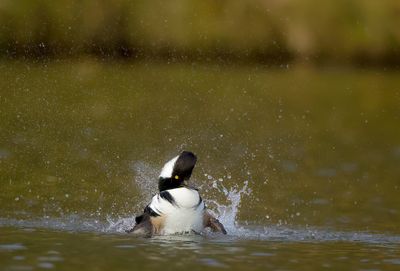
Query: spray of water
[222, 201]
[226, 212]
[144, 178]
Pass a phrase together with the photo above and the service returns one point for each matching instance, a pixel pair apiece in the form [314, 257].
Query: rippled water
[300, 165]
[283, 249]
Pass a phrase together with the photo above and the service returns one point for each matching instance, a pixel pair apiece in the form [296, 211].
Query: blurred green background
[266, 31]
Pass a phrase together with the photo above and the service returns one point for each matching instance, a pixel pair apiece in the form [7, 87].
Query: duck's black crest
[182, 170]
[184, 165]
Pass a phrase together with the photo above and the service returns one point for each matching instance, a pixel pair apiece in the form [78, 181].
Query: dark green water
[301, 165]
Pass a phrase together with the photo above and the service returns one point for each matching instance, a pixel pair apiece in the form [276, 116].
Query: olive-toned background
[266, 31]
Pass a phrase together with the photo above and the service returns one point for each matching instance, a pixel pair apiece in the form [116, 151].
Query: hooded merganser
[177, 208]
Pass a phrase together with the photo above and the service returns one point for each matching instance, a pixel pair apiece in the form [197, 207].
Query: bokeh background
[264, 31]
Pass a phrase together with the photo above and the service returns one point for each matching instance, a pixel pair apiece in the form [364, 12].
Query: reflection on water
[11, 247]
[300, 165]
[54, 250]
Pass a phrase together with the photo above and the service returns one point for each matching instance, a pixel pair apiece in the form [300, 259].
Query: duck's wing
[144, 224]
[144, 228]
[211, 222]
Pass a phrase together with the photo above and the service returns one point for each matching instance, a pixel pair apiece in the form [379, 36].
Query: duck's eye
[176, 177]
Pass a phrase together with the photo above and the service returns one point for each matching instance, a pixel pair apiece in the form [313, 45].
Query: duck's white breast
[183, 213]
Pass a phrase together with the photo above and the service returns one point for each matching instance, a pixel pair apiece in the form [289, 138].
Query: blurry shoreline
[284, 62]
[358, 33]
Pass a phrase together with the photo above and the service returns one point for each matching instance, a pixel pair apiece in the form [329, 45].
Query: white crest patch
[166, 172]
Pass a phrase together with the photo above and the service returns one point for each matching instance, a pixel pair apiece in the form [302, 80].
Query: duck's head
[176, 171]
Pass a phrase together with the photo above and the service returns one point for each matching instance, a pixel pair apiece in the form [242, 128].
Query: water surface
[301, 165]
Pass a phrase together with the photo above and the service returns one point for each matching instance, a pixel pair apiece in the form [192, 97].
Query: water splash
[226, 209]
[222, 201]
[227, 213]
[272, 234]
[120, 225]
[145, 180]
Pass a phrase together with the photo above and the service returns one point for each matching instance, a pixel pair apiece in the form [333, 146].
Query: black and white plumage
[176, 171]
[178, 208]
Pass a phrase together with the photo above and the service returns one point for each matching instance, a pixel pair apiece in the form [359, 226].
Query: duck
[177, 208]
